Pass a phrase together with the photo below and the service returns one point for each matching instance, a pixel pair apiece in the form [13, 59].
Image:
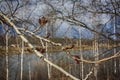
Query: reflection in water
[38, 67]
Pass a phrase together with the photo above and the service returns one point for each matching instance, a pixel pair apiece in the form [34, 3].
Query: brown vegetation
[43, 20]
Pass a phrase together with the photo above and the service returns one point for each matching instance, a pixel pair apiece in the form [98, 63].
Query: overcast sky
[37, 9]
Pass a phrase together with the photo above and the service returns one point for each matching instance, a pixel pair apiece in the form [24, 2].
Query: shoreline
[27, 50]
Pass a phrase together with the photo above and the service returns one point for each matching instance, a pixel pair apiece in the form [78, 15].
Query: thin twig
[88, 74]
[41, 38]
[32, 47]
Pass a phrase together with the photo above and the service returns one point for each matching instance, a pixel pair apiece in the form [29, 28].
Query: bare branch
[37, 53]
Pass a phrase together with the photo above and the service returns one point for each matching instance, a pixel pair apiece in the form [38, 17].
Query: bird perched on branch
[68, 47]
[43, 20]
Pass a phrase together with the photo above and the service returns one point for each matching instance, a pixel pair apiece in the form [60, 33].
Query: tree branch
[32, 47]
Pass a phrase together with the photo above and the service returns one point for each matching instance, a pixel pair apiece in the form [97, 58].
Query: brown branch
[65, 48]
[70, 46]
[94, 62]
[32, 47]
[41, 38]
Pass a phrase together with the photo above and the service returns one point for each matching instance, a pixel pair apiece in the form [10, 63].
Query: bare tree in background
[7, 64]
[73, 16]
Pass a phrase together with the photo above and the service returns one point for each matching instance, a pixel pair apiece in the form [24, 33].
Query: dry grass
[15, 50]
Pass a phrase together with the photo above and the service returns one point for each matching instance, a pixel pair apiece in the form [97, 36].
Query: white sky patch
[68, 5]
[105, 18]
[86, 2]
[64, 28]
[35, 10]
[66, 9]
